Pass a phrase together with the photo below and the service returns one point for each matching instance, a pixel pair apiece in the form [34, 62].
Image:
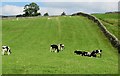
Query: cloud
[52, 10]
[88, 7]
[56, 8]
[11, 10]
[60, 0]
[79, 0]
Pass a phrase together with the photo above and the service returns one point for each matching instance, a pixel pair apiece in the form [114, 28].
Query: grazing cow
[54, 48]
[95, 52]
[6, 49]
[61, 47]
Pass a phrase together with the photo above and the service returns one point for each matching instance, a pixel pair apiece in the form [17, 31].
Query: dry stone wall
[114, 41]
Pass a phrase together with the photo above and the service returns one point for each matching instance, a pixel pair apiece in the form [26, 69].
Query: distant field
[30, 39]
[110, 21]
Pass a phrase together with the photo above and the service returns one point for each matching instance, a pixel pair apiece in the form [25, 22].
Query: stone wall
[114, 41]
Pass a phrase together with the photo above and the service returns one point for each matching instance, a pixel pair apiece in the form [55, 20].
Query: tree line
[32, 10]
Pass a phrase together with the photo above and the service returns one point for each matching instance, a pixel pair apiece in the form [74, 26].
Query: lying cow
[6, 49]
[94, 53]
[82, 53]
[56, 48]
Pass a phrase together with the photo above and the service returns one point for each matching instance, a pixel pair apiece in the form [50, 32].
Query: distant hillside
[113, 12]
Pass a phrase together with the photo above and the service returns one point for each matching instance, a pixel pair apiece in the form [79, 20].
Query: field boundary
[114, 40]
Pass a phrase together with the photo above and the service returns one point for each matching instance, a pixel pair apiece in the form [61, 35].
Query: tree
[38, 14]
[63, 14]
[31, 9]
[46, 14]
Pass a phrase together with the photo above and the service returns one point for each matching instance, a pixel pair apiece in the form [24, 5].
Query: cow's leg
[8, 52]
[61, 48]
[100, 55]
[55, 50]
[50, 49]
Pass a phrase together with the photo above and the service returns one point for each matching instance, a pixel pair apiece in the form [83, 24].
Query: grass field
[110, 21]
[30, 39]
[0, 45]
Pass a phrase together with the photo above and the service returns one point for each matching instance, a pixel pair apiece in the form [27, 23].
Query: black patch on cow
[55, 47]
[78, 52]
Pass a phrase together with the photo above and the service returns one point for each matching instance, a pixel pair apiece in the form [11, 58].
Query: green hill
[30, 39]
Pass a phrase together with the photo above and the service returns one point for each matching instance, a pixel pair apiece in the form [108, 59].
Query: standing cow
[6, 49]
[56, 48]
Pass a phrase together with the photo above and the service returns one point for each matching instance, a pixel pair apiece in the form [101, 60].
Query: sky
[56, 7]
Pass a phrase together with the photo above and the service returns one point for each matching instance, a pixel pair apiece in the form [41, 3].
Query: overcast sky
[56, 7]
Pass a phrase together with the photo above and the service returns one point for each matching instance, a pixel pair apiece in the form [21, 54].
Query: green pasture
[30, 39]
[110, 21]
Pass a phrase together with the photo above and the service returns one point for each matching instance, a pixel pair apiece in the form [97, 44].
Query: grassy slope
[110, 21]
[30, 39]
[0, 45]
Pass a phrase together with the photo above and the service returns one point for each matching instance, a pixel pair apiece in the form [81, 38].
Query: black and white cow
[54, 48]
[95, 52]
[6, 49]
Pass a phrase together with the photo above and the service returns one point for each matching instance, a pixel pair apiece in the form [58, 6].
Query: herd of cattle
[60, 47]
